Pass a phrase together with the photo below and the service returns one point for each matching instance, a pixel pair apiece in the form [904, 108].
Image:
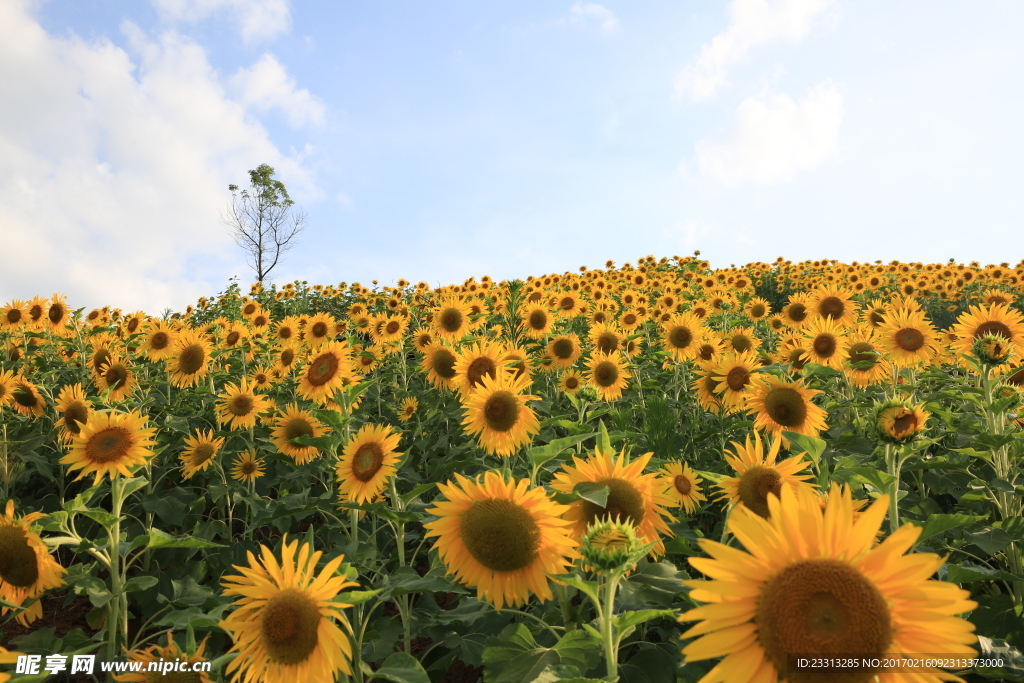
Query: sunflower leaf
[882, 481]
[968, 572]
[593, 492]
[604, 443]
[162, 539]
[812, 445]
[936, 524]
[401, 668]
[541, 454]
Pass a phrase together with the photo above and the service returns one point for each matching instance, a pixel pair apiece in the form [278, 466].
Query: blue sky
[437, 141]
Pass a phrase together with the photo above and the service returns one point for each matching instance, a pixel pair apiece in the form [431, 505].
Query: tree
[262, 222]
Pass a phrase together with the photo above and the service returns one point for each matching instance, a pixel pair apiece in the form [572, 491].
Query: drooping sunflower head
[898, 420]
[759, 476]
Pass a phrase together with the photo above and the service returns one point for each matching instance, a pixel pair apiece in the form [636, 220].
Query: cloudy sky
[436, 141]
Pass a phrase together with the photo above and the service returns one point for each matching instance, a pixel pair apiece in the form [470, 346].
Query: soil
[55, 615]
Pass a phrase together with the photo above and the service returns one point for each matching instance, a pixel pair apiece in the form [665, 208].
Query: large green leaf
[399, 668]
[937, 524]
[162, 539]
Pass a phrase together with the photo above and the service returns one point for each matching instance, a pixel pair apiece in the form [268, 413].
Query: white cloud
[774, 138]
[687, 235]
[256, 20]
[266, 85]
[582, 12]
[114, 166]
[754, 23]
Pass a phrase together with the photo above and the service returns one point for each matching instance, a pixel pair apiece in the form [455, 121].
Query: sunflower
[167, 653]
[570, 382]
[833, 302]
[8, 657]
[408, 409]
[319, 329]
[683, 486]
[285, 625]
[537, 320]
[817, 583]
[742, 339]
[293, 422]
[158, 343]
[907, 337]
[234, 336]
[606, 337]
[758, 308]
[285, 354]
[26, 399]
[733, 374]
[366, 360]
[26, 568]
[797, 311]
[607, 373]
[239, 405]
[36, 310]
[202, 449]
[393, 329]
[824, 343]
[706, 388]
[439, 364]
[568, 305]
[634, 497]
[994, 319]
[261, 377]
[899, 421]
[710, 348]
[190, 360]
[247, 467]
[117, 378]
[501, 537]
[109, 443]
[73, 407]
[451, 319]
[368, 460]
[782, 405]
[422, 339]
[14, 315]
[58, 315]
[865, 365]
[475, 362]
[517, 360]
[495, 412]
[322, 375]
[565, 350]
[760, 475]
[287, 329]
[682, 336]
[630, 319]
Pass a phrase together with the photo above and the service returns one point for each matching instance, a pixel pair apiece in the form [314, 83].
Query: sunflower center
[606, 374]
[629, 319]
[319, 329]
[831, 307]
[451, 320]
[826, 607]
[287, 357]
[563, 348]
[706, 352]
[159, 341]
[393, 327]
[13, 316]
[786, 406]
[76, 412]
[323, 370]
[100, 358]
[909, 339]
[240, 405]
[905, 424]
[608, 342]
[796, 359]
[863, 352]
[56, 313]
[297, 427]
[755, 486]
[737, 378]
[625, 503]
[367, 461]
[757, 311]
[500, 534]
[572, 383]
[501, 411]
[480, 367]
[202, 453]
[443, 363]
[284, 332]
[824, 345]
[233, 337]
[108, 445]
[993, 327]
[538, 320]
[680, 337]
[288, 626]
[797, 312]
[17, 558]
[682, 485]
[116, 376]
[190, 360]
[741, 343]
[23, 395]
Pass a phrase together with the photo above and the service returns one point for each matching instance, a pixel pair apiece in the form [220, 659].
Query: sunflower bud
[610, 546]
[898, 421]
[992, 349]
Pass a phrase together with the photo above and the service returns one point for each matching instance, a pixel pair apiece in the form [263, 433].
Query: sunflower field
[657, 473]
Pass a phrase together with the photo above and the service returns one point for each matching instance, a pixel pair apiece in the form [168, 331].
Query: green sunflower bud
[992, 349]
[610, 546]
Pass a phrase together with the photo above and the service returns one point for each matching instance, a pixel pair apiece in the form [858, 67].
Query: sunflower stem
[605, 611]
[568, 617]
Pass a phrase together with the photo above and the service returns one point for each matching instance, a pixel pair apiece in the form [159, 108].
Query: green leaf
[589, 588]
[1013, 526]
[991, 540]
[162, 539]
[882, 481]
[417, 491]
[968, 572]
[177, 424]
[936, 524]
[812, 445]
[324, 443]
[101, 516]
[593, 492]
[639, 616]
[578, 648]
[564, 673]
[406, 580]
[399, 668]
[140, 583]
[604, 442]
[515, 657]
[357, 597]
[654, 584]
[541, 454]
[651, 664]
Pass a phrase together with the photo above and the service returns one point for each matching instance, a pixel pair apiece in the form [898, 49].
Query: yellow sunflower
[247, 467]
[117, 378]
[865, 365]
[408, 409]
[322, 375]
[824, 343]
[190, 360]
[782, 405]
[7, 379]
[7, 657]
[834, 303]
[287, 329]
[994, 319]
[26, 399]
[439, 364]
[476, 361]
[907, 337]
[706, 388]
[319, 329]
[497, 415]
[634, 497]
[109, 443]
[683, 486]
[710, 348]
[537, 320]
[797, 312]
[261, 377]
[423, 338]
[682, 336]
[285, 625]
[293, 422]
[239, 405]
[58, 315]
[158, 342]
[758, 308]
[732, 372]
[817, 583]
[74, 407]
[608, 374]
[368, 460]
[392, 330]
[760, 477]
[742, 339]
[187, 667]
[26, 568]
[451, 320]
[285, 354]
[570, 382]
[202, 449]
[501, 537]
[565, 349]
[14, 315]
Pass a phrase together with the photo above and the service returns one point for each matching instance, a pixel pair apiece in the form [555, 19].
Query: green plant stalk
[402, 600]
[117, 614]
[568, 616]
[893, 464]
[611, 650]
